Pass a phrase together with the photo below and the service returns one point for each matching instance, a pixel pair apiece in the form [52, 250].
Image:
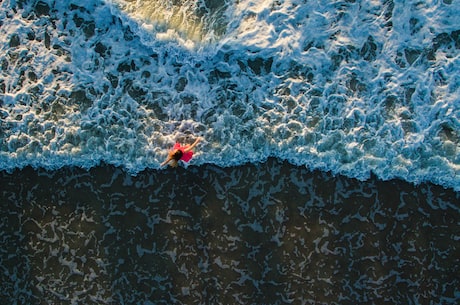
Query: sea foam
[349, 87]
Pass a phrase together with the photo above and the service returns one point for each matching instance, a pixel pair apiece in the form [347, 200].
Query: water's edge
[97, 166]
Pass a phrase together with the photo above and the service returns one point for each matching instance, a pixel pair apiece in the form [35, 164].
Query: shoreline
[167, 170]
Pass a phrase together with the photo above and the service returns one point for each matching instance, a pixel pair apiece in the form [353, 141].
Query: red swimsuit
[186, 156]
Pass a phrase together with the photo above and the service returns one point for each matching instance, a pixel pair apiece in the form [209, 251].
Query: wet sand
[269, 233]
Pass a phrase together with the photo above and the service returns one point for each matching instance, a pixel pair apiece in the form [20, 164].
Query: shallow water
[269, 233]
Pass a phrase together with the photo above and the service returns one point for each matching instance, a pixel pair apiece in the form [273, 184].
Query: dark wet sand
[270, 233]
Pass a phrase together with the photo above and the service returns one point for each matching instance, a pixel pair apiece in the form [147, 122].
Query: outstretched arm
[189, 148]
[166, 162]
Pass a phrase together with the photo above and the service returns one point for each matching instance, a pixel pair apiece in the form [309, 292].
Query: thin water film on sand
[266, 234]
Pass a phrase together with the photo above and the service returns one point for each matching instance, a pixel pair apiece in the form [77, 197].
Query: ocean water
[352, 87]
[328, 172]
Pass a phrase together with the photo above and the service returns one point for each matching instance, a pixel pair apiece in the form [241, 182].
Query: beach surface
[267, 233]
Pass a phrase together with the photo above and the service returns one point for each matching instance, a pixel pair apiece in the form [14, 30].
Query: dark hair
[178, 154]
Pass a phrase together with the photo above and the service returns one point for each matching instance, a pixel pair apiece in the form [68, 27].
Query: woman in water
[179, 152]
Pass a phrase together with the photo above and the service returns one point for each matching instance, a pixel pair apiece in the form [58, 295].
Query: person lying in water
[179, 152]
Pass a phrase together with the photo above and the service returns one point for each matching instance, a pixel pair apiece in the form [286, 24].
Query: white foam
[350, 88]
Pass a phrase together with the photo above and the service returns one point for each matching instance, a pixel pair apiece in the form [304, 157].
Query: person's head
[175, 156]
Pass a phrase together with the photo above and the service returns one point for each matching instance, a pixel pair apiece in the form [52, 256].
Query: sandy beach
[269, 233]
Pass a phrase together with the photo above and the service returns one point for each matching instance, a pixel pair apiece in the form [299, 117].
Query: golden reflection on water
[188, 21]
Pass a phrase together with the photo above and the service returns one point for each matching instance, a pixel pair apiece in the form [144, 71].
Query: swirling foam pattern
[352, 87]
